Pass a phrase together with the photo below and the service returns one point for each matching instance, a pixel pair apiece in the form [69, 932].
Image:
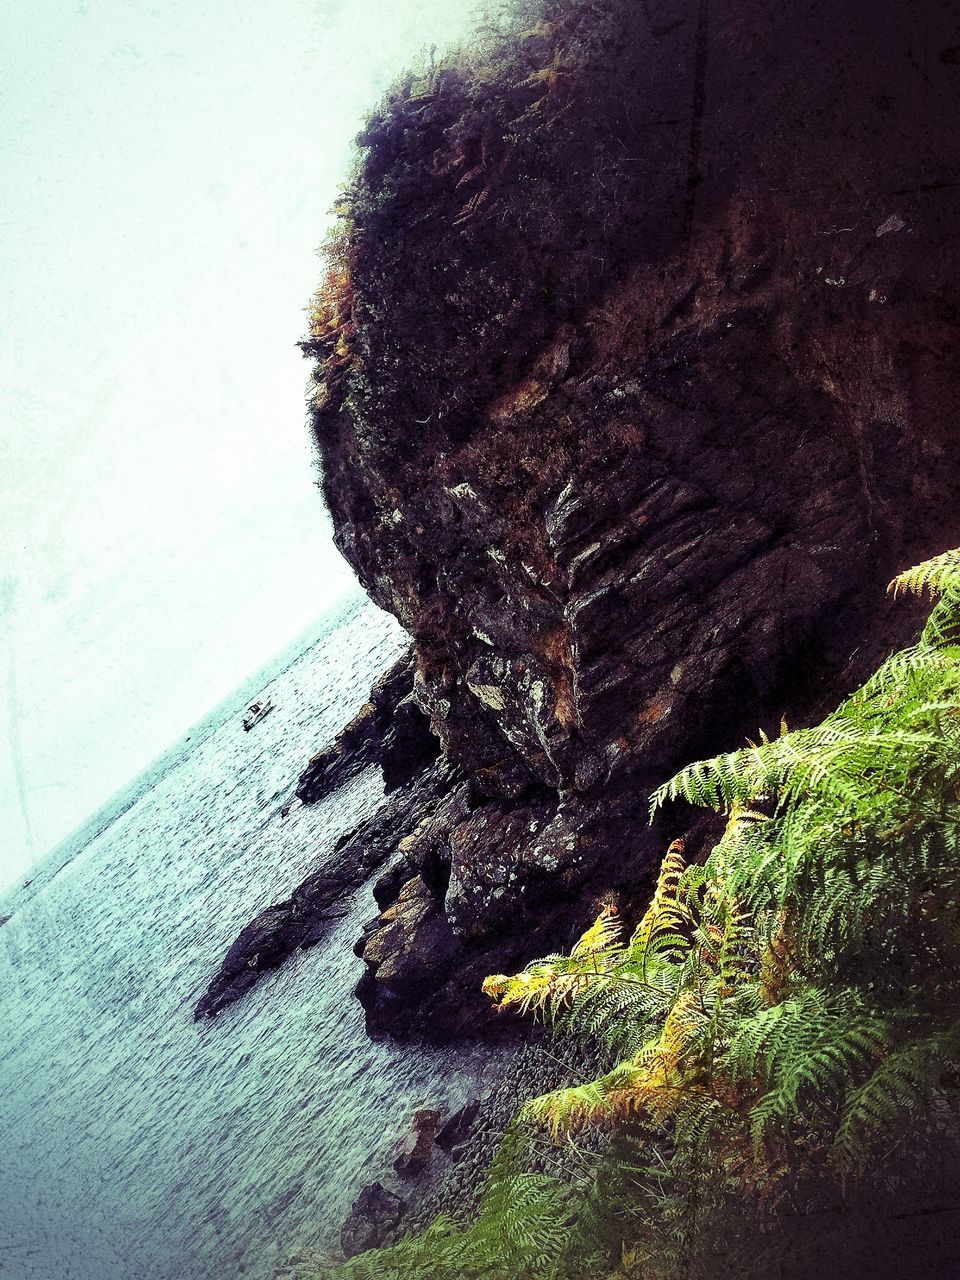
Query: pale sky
[166, 171]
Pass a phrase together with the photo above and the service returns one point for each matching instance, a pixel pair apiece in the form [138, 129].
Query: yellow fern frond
[605, 932]
[495, 985]
[633, 1091]
[937, 575]
[537, 987]
[569, 1110]
[681, 1030]
[664, 911]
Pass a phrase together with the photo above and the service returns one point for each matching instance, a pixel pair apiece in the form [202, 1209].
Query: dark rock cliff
[657, 508]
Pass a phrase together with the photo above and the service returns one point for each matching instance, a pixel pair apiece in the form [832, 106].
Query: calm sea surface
[137, 1145]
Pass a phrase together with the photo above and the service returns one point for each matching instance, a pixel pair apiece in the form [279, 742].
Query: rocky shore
[670, 396]
[450, 1178]
[374, 737]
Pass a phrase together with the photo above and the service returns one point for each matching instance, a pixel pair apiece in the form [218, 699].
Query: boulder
[412, 940]
[455, 1131]
[373, 1221]
[417, 1150]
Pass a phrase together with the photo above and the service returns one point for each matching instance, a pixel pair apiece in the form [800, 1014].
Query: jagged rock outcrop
[638, 376]
[389, 730]
[373, 1221]
[304, 919]
[672, 512]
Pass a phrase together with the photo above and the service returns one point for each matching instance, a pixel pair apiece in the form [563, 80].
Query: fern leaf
[938, 576]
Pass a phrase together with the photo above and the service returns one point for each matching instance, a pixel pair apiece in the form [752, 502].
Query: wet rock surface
[373, 1221]
[389, 730]
[417, 1150]
[454, 1134]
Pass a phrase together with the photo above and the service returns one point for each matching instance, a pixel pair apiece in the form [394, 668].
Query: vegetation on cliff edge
[785, 1016]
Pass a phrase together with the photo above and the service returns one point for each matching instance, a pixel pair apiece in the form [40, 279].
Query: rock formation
[390, 730]
[417, 1149]
[659, 508]
[374, 1220]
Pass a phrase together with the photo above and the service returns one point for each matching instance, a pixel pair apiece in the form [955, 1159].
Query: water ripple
[137, 1144]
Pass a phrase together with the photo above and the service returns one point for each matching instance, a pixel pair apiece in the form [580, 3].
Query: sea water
[136, 1144]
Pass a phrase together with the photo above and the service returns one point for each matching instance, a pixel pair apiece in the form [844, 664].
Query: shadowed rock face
[636, 562]
[674, 516]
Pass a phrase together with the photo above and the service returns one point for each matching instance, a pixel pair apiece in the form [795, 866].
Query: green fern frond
[938, 576]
